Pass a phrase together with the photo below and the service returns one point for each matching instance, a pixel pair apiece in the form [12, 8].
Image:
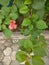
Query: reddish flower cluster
[12, 25]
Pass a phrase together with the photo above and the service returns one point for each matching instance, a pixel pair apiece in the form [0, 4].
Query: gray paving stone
[13, 56]
[7, 51]
[6, 60]
[7, 43]
[1, 63]
[2, 39]
[14, 63]
[46, 60]
[47, 41]
[1, 55]
[2, 47]
[15, 47]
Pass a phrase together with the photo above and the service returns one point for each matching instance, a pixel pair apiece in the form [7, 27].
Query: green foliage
[6, 15]
[36, 33]
[47, 13]
[13, 16]
[19, 3]
[27, 2]
[0, 21]
[4, 2]
[47, 6]
[39, 51]
[38, 4]
[21, 56]
[7, 32]
[26, 22]
[41, 24]
[5, 10]
[31, 13]
[26, 46]
[23, 10]
[36, 60]
[27, 63]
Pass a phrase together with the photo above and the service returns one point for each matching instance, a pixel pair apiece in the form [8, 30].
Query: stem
[14, 1]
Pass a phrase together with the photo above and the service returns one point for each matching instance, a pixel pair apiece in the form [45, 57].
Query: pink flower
[12, 25]
[12, 21]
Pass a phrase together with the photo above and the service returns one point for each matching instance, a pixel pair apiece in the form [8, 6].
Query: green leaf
[5, 10]
[34, 17]
[40, 13]
[42, 38]
[27, 2]
[26, 44]
[14, 9]
[1, 16]
[36, 60]
[27, 63]
[26, 32]
[23, 9]
[7, 21]
[30, 27]
[39, 51]
[36, 33]
[0, 21]
[4, 27]
[26, 22]
[0, 27]
[38, 4]
[39, 47]
[19, 3]
[41, 24]
[7, 32]
[21, 56]
[4, 2]
[14, 16]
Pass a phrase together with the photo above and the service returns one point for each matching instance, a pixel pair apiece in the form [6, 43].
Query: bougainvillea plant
[29, 14]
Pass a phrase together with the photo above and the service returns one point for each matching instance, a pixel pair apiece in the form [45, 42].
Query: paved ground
[9, 47]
